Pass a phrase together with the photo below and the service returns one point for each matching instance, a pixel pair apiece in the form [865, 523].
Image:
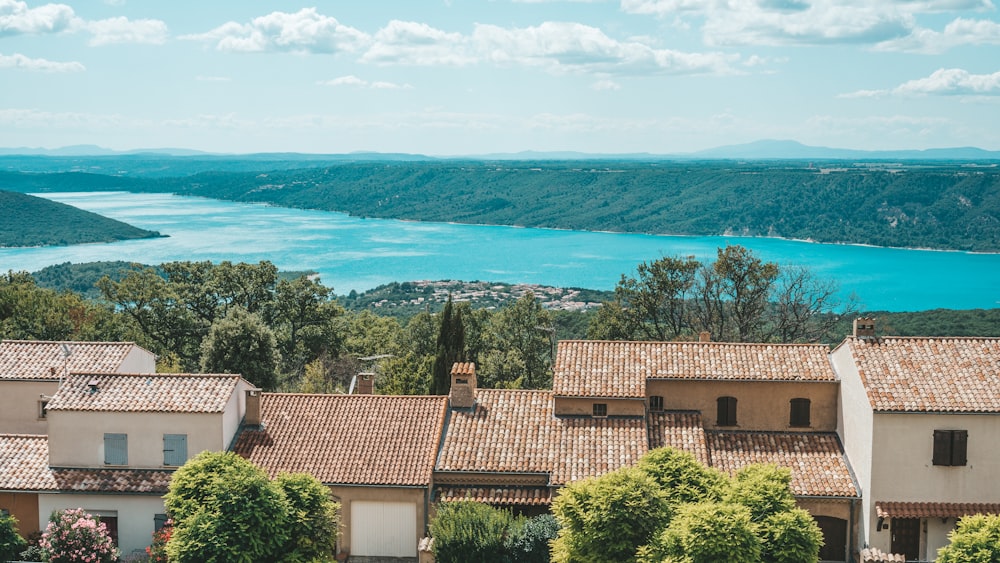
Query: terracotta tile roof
[24, 359]
[515, 431]
[587, 368]
[929, 374]
[24, 463]
[204, 393]
[934, 509]
[112, 480]
[347, 439]
[678, 429]
[817, 460]
[498, 496]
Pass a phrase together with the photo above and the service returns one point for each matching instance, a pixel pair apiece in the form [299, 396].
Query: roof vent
[92, 384]
[864, 328]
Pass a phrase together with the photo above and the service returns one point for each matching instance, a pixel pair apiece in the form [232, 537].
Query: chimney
[463, 386]
[366, 384]
[704, 336]
[864, 328]
[253, 414]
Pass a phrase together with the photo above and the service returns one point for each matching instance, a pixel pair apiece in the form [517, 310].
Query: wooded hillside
[35, 221]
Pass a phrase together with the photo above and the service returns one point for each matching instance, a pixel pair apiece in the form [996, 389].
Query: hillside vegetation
[35, 221]
[944, 206]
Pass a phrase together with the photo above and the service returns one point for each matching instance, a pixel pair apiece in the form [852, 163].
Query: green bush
[11, 542]
[312, 518]
[470, 531]
[763, 488]
[683, 478]
[976, 539]
[706, 533]
[529, 542]
[791, 537]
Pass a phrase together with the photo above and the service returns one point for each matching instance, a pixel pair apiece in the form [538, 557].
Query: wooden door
[906, 537]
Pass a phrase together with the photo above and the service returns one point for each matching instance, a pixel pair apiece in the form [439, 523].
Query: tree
[763, 488]
[450, 347]
[976, 539]
[312, 521]
[609, 517]
[706, 533]
[225, 509]
[470, 531]
[738, 285]
[791, 536]
[681, 477]
[521, 332]
[529, 540]
[11, 542]
[657, 300]
[241, 343]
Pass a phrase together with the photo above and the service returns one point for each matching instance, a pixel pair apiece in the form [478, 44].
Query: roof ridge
[680, 342]
[17, 435]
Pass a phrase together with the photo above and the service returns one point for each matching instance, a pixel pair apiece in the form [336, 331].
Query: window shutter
[959, 444]
[116, 449]
[942, 447]
[174, 449]
[799, 412]
[727, 411]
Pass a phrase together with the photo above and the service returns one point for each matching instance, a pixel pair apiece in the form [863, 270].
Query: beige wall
[19, 403]
[135, 514]
[235, 409]
[566, 406]
[346, 494]
[855, 426]
[138, 360]
[24, 507]
[759, 405]
[76, 438]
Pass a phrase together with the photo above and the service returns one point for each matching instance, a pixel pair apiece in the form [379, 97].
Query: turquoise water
[353, 253]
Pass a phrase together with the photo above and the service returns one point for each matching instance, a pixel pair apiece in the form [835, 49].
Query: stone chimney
[704, 336]
[463, 386]
[864, 328]
[366, 384]
[253, 414]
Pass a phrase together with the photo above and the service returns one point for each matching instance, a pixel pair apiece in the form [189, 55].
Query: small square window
[727, 411]
[600, 409]
[799, 413]
[950, 447]
[656, 403]
[4, 512]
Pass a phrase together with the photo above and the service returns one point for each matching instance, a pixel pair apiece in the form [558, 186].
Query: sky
[458, 77]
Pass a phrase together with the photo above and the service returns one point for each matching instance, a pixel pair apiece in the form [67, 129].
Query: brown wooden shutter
[942, 447]
[959, 445]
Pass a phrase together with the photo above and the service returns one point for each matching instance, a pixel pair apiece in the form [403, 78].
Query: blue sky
[472, 77]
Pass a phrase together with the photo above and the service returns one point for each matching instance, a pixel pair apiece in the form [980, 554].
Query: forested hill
[34, 221]
[939, 205]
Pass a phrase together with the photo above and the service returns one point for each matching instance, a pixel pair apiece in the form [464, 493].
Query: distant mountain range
[757, 150]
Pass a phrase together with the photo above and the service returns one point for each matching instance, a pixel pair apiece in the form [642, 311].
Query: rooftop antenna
[66, 353]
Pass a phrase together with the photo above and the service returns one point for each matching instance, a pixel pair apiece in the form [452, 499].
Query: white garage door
[384, 528]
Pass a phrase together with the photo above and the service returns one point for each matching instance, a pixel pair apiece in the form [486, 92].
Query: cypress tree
[450, 348]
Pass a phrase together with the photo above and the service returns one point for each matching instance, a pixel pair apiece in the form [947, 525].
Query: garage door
[384, 528]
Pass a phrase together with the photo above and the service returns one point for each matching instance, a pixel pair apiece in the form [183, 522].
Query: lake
[352, 253]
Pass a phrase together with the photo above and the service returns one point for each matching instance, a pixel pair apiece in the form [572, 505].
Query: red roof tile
[133, 481]
[588, 368]
[24, 463]
[24, 359]
[498, 496]
[145, 393]
[516, 432]
[934, 509]
[929, 374]
[681, 430]
[817, 460]
[347, 439]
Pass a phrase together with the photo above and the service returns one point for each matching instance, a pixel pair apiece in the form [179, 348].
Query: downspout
[850, 534]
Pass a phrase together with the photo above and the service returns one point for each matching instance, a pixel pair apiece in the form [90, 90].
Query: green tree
[11, 542]
[225, 509]
[521, 332]
[682, 478]
[976, 539]
[791, 536]
[763, 488]
[470, 531]
[528, 541]
[657, 301]
[609, 517]
[312, 521]
[241, 343]
[706, 533]
[450, 347]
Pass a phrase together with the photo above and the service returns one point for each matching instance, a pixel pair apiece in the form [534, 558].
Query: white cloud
[605, 85]
[19, 61]
[959, 32]
[16, 18]
[351, 80]
[942, 82]
[413, 43]
[305, 31]
[123, 30]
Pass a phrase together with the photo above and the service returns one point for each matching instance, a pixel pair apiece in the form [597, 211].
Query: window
[950, 447]
[43, 408]
[116, 449]
[159, 521]
[727, 412]
[799, 412]
[600, 409]
[656, 403]
[175, 449]
[4, 512]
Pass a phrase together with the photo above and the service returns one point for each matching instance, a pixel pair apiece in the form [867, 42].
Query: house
[114, 440]
[920, 421]
[30, 372]
[375, 452]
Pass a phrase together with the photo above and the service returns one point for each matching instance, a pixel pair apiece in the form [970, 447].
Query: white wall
[236, 408]
[855, 422]
[19, 405]
[138, 360]
[135, 514]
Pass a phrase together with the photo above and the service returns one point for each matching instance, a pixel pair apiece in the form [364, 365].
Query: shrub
[529, 541]
[791, 537]
[470, 531]
[706, 533]
[157, 552]
[976, 539]
[312, 518]
[74, 536]
[11, 543]
[682, 477]
[763, 488]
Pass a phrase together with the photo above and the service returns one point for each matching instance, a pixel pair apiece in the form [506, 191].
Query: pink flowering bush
[73, 536]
